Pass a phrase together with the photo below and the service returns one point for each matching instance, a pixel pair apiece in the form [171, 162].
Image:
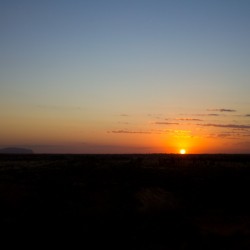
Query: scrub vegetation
[146, 202]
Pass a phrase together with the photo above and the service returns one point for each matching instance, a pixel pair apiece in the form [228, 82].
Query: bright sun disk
[182, 151]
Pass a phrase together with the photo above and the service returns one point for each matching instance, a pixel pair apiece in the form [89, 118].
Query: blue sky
[83, 63]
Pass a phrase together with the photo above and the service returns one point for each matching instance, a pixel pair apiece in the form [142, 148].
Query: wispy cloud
[236, 126]
[156, 116]
[247, 115]
[212, 114]
[188, 119]
[124, 115]
[235, 134]
[166, 123]
[129, 132]
[225, 136]
[222, 110]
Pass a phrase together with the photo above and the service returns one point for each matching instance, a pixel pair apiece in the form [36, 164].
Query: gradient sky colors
[134, 76]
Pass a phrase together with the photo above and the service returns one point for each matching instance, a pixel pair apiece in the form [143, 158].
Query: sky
[125, 76]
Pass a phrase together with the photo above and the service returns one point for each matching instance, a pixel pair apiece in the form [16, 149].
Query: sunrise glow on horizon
[183, 151]
[125, 76]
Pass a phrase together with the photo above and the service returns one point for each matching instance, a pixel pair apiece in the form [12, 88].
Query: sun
[183, 151]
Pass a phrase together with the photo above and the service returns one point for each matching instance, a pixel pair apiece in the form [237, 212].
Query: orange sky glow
[125, 76]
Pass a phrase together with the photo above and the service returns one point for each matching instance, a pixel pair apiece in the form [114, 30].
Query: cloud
[212, 114]
[232, 135]
[129, 132]
[166, 123]
[222, 110]
[247, 115]
[156, 116]
[188, 119]
[125, 115]
[224, 135]
[225, 126]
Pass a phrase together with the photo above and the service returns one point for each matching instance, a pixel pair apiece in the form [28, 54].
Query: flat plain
[151, 201]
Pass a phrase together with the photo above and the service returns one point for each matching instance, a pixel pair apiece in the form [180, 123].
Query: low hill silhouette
[13, 150]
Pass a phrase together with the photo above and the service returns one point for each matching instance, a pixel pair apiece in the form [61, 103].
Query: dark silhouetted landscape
[146, 202]
[16, 151]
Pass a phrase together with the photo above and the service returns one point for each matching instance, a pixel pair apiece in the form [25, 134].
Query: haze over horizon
[135, 76]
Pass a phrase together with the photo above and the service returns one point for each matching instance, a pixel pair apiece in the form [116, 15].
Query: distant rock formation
[16, 151]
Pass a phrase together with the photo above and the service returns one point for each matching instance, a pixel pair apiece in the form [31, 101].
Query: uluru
[13, 150]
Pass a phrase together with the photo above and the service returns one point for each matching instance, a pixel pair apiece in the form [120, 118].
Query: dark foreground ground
[126, 201]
